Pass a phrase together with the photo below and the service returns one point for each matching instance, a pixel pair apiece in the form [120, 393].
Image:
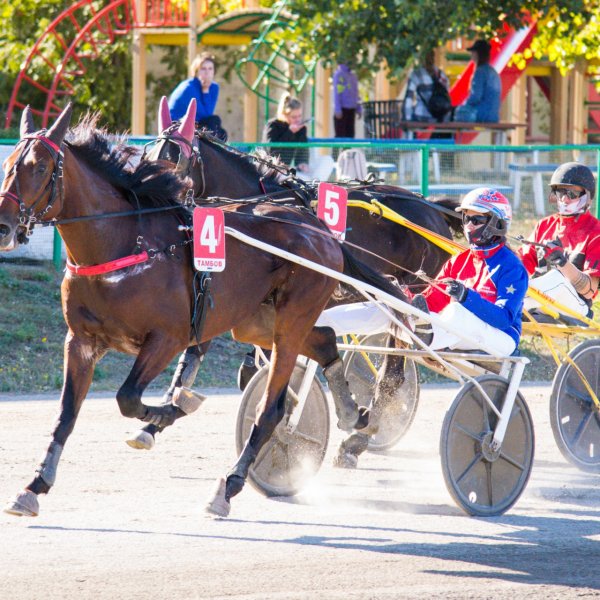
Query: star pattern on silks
[510, 289]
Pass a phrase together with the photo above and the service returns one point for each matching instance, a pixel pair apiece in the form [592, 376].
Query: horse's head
[32, 179]
[175, 140]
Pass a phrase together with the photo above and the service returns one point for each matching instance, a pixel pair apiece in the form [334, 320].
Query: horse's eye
[40, 169]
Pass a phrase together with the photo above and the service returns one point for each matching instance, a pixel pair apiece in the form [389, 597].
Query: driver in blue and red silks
[482, 288]
[479, 291]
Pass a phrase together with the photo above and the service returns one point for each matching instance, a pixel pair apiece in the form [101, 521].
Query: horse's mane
[269, 166]
[152, 183]
[260, 163]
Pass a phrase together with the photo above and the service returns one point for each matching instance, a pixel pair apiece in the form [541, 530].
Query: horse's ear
[57, 132]
[187, 127]
[164, 115]
[27, 124]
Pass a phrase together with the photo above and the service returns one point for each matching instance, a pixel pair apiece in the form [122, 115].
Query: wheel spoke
[475, 460]
[468, 432]
[308, 438]
[581, 428]
[511, 461]
[265, 450]
[583, 399]
[488, 477]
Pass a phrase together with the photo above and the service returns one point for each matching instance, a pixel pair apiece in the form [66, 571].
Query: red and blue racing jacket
[497, 282]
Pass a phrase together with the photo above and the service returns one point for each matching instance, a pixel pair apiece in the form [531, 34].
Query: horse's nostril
[4, 230]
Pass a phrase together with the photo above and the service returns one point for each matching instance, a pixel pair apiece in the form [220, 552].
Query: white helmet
[488, 201]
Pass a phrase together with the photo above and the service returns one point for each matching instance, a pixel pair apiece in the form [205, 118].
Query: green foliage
[363, 33]
[105, 86]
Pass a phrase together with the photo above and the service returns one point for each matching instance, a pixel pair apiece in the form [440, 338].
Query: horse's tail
[358, 270]
[454, 220]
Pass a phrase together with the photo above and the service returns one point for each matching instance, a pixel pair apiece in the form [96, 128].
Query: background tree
[106, 86]
[364, 33]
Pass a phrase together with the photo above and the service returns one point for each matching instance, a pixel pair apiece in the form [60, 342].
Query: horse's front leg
[179, 393]
[154, 356]
[80, 359]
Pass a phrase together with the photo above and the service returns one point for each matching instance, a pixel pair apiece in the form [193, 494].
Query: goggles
[559, 192]
[475, 219]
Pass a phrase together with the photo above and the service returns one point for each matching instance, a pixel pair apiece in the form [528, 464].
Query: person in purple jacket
[345, 101]
[203, 88]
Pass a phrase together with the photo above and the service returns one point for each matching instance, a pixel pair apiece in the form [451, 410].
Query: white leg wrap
[187, 400]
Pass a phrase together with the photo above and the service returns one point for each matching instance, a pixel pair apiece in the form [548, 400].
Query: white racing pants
[360, 318]
[457, 316]
[555, 285]
[364, 318]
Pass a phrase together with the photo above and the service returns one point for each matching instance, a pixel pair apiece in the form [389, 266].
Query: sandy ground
[122, 523]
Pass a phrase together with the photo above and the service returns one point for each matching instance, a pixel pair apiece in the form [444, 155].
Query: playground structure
[84, 33]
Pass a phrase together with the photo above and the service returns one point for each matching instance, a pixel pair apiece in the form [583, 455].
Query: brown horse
[214, 169]
[129, 284]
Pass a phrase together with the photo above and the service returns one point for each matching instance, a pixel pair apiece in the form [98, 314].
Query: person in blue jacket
[483, 103]
[205, 90]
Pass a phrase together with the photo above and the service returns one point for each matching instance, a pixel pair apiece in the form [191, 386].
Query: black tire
[288, 460]
[574, 418]
[484, 482]
[399, 414]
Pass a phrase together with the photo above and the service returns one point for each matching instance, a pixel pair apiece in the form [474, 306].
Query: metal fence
[438, 168]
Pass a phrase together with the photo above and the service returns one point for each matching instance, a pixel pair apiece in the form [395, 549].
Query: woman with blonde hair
[289, 126]
[205, 90]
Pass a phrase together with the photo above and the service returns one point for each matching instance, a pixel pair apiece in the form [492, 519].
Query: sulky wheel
[289, 459]
[398, 415]
[574, 417]
[483, 481]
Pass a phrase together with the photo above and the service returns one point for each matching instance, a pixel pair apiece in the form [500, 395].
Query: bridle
[184, 164]
[28, 216]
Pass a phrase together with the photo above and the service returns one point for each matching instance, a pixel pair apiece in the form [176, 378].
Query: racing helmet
[573, 173]
[496, 206]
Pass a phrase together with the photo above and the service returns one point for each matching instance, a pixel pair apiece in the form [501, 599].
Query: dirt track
[123, 523]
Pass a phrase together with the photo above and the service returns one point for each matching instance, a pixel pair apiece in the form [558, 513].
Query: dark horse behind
[130, 284]
[214, 169]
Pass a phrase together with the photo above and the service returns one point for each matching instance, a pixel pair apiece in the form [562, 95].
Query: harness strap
[108, 267]
[12, 197]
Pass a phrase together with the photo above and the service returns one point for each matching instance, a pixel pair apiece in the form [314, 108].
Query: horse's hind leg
[80, 359]
[389, 379]
[294, 317]
[183, 379]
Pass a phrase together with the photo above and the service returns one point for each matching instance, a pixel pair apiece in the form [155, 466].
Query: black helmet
[573, 173]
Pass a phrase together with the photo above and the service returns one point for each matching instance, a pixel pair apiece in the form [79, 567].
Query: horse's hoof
[219, 506]
[345, 460]
[187, 399]
[141, 440]
[24, 505]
